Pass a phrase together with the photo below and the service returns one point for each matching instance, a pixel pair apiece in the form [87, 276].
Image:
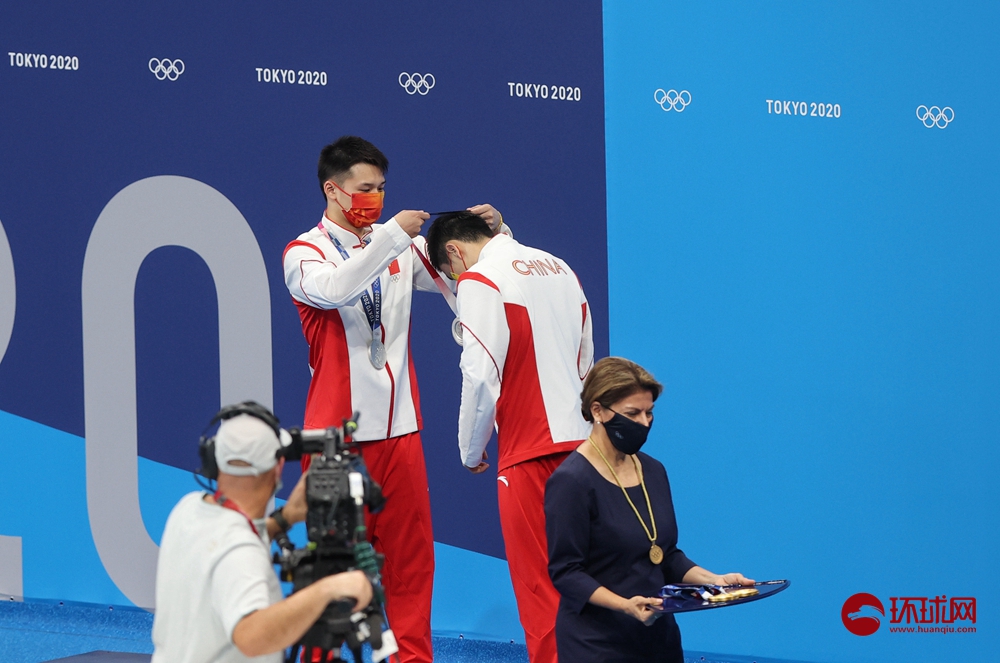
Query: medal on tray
[687, 597]
[732, 595]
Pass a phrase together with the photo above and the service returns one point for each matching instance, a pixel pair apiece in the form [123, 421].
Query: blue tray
[764, 590]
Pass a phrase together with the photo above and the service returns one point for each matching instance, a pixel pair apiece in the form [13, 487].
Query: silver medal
[456, 330]
[376, 353]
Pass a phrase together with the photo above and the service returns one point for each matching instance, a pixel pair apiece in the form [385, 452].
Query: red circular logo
[862, 614]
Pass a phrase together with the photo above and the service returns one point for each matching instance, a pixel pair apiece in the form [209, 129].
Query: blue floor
[40, 631]
[32, 632]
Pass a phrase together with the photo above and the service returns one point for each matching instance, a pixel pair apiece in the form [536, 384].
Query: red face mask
[366, 207]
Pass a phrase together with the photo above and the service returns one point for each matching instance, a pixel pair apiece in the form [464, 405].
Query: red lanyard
[227, 503]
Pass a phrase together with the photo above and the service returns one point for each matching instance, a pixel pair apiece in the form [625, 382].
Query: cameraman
[217, 595]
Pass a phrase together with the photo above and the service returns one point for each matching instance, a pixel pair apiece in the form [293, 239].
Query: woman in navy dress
[608, 555]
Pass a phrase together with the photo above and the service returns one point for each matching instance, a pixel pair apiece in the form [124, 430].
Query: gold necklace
[655, 551]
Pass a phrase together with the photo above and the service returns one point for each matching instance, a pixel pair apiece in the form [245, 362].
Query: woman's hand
[699, 576]
[646, 610]
[734, 579]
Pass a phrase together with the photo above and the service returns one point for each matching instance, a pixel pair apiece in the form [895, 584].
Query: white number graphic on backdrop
[144, 216]
[166, 68]
[8, 292]
[11, 567]
[416, 83]
[672, 100]
[934, 116]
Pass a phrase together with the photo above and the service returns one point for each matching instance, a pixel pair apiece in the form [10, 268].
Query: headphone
[206, 445]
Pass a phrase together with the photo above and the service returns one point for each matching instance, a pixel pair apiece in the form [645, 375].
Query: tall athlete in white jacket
[352, 281]
[527, 346]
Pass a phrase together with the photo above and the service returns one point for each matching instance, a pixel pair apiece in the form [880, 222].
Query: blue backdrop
[99, 96]
[805, 263]
[821, 293]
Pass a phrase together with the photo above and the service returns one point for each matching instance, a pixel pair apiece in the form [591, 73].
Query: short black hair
[463, 226]
[340, 156]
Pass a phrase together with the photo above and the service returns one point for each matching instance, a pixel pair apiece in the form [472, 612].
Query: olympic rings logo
[672, 100]
[414, 83]
[934, 116]
[166, 68]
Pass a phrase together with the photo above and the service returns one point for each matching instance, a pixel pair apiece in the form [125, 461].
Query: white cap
[248, 439]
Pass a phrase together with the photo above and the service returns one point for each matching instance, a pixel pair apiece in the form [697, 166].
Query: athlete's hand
[479, 469]
[411, 221]
[489, 213]
[646, 610]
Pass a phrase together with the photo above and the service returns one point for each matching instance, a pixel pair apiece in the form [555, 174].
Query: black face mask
[626, 435]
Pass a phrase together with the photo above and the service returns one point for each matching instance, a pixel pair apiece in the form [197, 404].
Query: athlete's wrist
[399, 236]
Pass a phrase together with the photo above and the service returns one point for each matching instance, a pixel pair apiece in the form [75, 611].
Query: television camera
[338, 488]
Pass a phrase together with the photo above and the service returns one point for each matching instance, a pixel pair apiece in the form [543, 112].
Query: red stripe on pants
[521, 494]
[402, 532]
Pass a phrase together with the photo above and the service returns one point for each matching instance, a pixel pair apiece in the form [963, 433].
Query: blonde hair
[612, 379]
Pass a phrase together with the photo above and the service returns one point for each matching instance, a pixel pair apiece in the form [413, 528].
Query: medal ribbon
[449, 296]
[373, 310]
[642, 482]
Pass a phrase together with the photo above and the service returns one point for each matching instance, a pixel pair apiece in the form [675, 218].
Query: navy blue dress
[596, 540]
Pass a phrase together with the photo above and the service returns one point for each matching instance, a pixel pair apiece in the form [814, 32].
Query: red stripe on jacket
[521, 416]
[476, 276]
[329, 398]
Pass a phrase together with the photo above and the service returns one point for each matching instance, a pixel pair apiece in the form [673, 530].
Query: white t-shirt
[213, 571]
